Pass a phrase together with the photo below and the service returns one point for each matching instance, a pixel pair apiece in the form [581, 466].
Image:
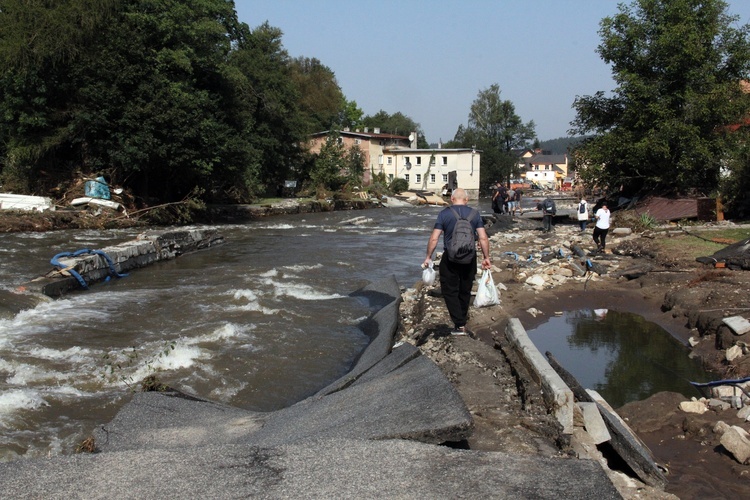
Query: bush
[398, 185]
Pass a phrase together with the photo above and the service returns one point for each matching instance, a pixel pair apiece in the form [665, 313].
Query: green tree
[495, 129]
[677, 65]
[396, 124]
[321, 101]
[329, 164]
[161, 95]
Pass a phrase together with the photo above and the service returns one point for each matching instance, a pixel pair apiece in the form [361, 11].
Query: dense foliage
[161, 96]
[667, 126]
[396, 124]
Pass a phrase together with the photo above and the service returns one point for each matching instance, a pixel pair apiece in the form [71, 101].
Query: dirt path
[505, 401]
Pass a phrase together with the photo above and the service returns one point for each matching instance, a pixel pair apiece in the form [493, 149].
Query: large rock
[737, 442]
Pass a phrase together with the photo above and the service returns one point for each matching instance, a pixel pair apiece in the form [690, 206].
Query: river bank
[684, 443]
[506, 407]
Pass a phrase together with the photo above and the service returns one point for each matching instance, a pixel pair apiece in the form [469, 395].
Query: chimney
[367, 130]
[376, 130]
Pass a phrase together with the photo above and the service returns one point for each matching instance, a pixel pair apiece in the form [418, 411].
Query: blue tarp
[97, 188]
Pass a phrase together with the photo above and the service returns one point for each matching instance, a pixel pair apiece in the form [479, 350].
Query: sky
[429, 59]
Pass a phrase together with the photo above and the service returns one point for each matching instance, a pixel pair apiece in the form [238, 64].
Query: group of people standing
[506, 200]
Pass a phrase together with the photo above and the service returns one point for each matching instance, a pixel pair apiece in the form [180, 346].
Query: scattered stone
[737, 442]
[535, 280]
[693, 407]
[721, 427]
[533, 311]
[733, 352]
[718, 405]
[693, 341]
[622, 231]
[744, 413]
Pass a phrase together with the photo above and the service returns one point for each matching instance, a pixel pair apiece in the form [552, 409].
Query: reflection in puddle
[621, 355]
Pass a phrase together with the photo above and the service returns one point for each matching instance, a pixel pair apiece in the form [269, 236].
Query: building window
[406, 161]
[445, 177]
[419, 161]
[380, 159]
[432, 161]
[357, 141]
[419, 178]
[390, 176]
[432, 178]
[445, 161]
[406, 177]
[390, 160]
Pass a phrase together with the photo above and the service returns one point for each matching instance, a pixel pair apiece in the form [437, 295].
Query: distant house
[433, 169]
[544, 170]
[371, 144]
[397, 156]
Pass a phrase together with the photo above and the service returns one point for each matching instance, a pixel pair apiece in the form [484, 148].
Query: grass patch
[700, 243]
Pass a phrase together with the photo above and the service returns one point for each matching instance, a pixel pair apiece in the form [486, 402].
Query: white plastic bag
[486, 291]
[428, 275]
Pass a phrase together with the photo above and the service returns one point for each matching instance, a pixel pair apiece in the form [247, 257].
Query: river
[259, 322]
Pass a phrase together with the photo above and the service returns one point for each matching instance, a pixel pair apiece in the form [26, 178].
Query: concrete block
[594, 423]
[737, 324]
[557, 394]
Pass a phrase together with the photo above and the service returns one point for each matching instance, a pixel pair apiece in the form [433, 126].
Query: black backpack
[582, 208]
[462, 248]
[549, 206]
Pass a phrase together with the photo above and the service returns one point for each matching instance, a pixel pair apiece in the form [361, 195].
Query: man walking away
[457, 276]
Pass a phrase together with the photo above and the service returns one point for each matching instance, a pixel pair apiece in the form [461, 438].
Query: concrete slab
[315, 469]
[557, 394]
[737, 324]
[594, 422]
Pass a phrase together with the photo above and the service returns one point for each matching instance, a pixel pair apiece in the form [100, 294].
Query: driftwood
[635, 453]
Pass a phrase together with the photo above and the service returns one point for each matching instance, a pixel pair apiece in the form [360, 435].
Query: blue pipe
[112, 271]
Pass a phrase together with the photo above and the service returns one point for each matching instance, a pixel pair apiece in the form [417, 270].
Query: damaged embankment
[381, 420]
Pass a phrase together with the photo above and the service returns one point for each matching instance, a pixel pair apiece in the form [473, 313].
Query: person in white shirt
[583, 213]
[602, 227]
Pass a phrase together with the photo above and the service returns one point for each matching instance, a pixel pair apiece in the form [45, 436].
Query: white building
[397, 156]
[433, 169]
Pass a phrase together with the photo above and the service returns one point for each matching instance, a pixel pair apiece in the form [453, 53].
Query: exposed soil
[681, 295]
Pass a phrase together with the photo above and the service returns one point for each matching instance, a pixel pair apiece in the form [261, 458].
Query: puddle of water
[621, 355]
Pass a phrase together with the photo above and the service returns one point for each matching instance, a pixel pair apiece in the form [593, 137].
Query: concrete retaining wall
[557, 394]
[146, 249]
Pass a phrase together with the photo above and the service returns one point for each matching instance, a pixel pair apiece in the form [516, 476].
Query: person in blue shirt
[456, 279]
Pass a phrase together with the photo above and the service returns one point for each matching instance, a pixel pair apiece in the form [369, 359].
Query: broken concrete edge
[557, 395]
[380, 327]
[148, 248]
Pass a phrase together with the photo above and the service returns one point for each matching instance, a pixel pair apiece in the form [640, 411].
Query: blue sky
[430, 58]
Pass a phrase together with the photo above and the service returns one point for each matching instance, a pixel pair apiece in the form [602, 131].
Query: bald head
[459, 197]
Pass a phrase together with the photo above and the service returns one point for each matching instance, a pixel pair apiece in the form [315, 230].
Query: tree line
[163, 96]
